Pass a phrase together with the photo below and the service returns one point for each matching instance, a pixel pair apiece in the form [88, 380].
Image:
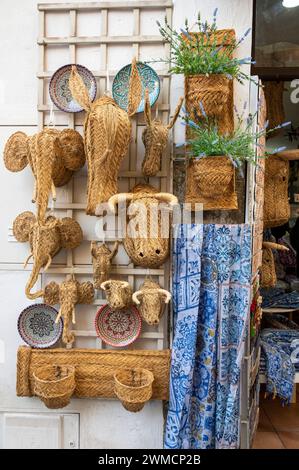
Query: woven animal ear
[22, 226]
[73, 149]
[70, 232]
[51, 293]
[79, 90]
[85, 292]
[147, 109]
[176, 113]
[15, 152]
[135, 89]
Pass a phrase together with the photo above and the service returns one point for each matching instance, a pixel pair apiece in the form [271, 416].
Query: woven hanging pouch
[276, 201]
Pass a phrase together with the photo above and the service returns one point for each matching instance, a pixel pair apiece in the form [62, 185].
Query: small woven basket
[54, 385]
[133, 387]
[212, 91]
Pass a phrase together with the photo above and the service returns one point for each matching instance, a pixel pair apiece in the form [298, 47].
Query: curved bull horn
[125, 283]
[135, 296]
[166, 293]
[105, 284]
[275, 246]
[176, 113]
[167, 197]
[117, 198]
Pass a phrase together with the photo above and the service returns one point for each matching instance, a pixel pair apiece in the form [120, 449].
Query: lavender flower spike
[202, 109]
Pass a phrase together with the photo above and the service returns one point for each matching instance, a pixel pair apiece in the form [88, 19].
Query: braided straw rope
[107, 130]
[276, 200]
[211, 182]
[54, 385]
[94, 369]
[135, 89]
[133, 387]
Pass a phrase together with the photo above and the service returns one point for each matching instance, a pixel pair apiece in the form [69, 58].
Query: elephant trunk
[67, 311]
[46, 150]
[33, 280]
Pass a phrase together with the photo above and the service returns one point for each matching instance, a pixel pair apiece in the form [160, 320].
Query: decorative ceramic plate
[59, 88]
[37, 327]
[149, 79]
[118, 327]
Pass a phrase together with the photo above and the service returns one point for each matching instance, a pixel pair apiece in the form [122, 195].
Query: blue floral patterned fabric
[211, 295]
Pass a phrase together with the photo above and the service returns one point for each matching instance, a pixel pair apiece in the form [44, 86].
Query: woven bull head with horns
[53, 157]
[69, 293]
[146, 238]
[151, 300]
[107, 131]
[46, 240]
[155, 137]
[118, 293]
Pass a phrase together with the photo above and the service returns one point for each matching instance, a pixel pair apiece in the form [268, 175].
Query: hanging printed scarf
[211, 292]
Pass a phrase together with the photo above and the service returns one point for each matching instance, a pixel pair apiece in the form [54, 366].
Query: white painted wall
[103, 423]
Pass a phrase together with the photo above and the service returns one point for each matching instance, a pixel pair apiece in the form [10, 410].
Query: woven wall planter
[54, 385]
[211, 182]
[273, 91]
[94, 369]
[133, 387]
[276, 202]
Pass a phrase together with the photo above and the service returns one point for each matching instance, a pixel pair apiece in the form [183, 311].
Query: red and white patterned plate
[118, 328]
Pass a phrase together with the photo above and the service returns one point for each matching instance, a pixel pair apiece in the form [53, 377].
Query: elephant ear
[85, 292]
[51, 293]
[73, 149]
[22, 226]
[71, 233]
[15, 152]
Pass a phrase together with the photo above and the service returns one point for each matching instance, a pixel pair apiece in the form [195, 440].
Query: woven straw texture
[101, 260]
[268, 272]
[273, 91]
[54, 385]
[135, 89]
[151, 299]
[276, 202]
[94, 369]
[118, 293]
[15, 152]
[107, 131]
[133, 387]
[211, 182]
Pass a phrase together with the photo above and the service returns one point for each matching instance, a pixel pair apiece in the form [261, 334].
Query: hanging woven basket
[268, 271]
[211, 182]
[212, 91]
[276, 202]
[54, 385]
[133, 387]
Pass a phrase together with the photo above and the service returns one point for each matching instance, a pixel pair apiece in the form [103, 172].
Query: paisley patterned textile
[211, 295]
[280, 360]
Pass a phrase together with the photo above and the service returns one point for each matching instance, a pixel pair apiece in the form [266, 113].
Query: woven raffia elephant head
[107, 131]
[155, 137]
[147, 233]
[151, 300]
[118, 293]
[68, 294]
[46, 239]
[53, 157]
[101, 259]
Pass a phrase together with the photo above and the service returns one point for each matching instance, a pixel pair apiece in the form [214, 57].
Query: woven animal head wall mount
[118, 293]
[69, 293]
[151, 300]
[102, 258]
[53, 157]
[107, 131]
[46, 240]
[155, 137]
[147, 246]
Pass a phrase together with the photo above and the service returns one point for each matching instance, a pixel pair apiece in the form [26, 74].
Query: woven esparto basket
[273, 91]
[54, 385]
[211, 181]
[268, 271]
[133, 387]
[276, 202]
[212, 91]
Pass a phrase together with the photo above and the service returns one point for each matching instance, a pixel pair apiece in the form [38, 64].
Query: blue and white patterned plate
[59, 88]
[37, 327]
[149, 80]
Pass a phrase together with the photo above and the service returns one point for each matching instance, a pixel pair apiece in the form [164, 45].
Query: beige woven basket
[54, 385]
[273, 91]
[268, 271]
[276, 202]
[133, 387]
[211, 182]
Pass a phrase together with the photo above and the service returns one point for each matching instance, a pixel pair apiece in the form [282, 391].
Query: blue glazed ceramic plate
[37, 327]
[149, 79]
[59, 88]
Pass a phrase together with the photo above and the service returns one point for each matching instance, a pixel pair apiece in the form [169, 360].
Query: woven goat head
[69, 293]
[155, 137]
[107, 131]
[101, 259]
[46, 239]
[53, 157]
